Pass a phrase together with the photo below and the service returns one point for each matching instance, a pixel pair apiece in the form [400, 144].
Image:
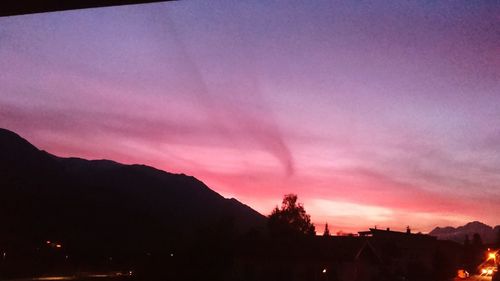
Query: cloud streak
[233, 121]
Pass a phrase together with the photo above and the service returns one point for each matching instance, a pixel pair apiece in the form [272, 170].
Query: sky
[379, 113]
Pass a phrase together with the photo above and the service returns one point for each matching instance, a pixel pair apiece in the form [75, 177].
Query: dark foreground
[88, 277]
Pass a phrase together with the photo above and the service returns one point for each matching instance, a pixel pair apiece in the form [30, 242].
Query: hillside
[101, 205]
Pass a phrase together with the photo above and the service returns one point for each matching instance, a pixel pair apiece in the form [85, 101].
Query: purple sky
[377, 113]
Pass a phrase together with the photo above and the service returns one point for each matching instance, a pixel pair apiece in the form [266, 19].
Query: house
[373, 255]
[313, 258]
[414, 254]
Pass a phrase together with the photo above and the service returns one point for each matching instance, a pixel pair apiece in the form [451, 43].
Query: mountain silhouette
[488, 234]
[105, 206]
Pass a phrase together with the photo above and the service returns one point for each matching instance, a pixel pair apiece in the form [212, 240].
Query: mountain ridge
[488, 233]
[101, 203]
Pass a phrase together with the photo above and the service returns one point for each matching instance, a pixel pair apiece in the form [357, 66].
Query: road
[83, 277]
[475, 278]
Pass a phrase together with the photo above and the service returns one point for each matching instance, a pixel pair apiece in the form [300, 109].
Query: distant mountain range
[101, 204]
[488, 234]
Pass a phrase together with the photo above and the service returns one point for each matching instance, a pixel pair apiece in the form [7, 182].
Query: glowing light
[58, 245]
[48, 242]
[491, 256]
[484, 271]
[324, 270]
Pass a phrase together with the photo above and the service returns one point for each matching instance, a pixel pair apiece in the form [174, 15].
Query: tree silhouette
[291, 219]
[476, 251]
[497, 238]
[476, 240]
[326, 232]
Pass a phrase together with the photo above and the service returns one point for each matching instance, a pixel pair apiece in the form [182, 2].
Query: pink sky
[380, 114]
